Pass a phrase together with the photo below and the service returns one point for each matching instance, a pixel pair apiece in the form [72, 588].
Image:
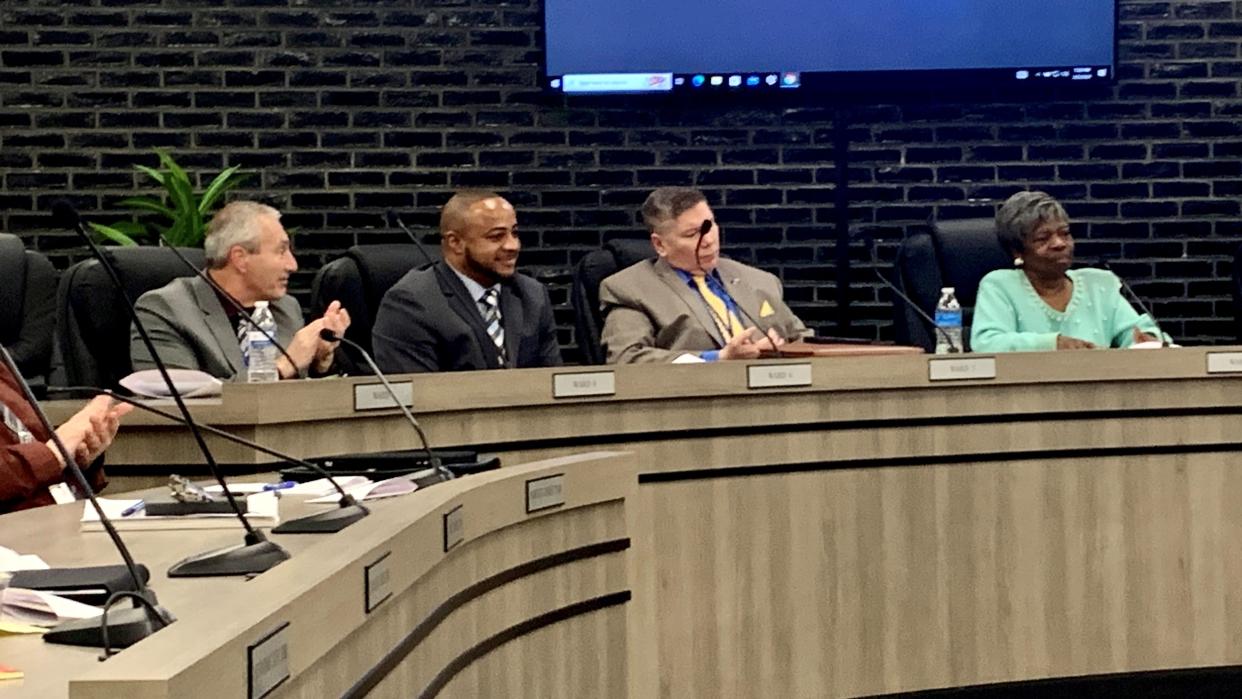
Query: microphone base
[326, 522]
[125, 628]
[250, 558]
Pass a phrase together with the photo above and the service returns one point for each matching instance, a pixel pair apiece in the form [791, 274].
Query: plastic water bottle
[949, 322]
[261, 354]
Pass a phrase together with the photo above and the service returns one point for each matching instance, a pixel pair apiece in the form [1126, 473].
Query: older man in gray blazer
[688, 302]
[249, 258]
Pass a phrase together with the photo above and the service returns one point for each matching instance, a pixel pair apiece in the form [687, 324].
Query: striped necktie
[720, 310]
[490, 304]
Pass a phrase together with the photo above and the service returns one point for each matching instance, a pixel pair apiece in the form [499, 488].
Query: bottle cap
[948, 290]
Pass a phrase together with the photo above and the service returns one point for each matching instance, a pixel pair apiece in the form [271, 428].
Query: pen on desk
[134, 508]
[284, 485]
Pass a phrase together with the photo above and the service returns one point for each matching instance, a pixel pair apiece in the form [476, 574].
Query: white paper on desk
[322, 486]
[313, 488]
[391, 488]
[12, 561]
[190, 383]
[688, 358]
[40, 608]
[262, 509]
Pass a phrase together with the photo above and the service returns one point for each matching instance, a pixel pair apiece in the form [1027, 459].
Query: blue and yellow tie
[720, 310]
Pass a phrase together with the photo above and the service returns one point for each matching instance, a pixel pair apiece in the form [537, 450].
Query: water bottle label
[950, 319]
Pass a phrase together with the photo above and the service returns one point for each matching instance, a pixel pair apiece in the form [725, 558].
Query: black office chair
[592, 269]
[92, 330]
[27, 308]
[359, 280]
[951, 253]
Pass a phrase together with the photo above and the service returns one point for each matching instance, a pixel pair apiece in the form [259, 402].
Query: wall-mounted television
[721, 46]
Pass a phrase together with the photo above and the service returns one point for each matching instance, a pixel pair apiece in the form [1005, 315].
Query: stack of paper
[401, 485]
[12, 561]
[38, 608]
[263, 510]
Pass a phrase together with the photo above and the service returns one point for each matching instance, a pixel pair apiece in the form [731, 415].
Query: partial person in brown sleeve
[30, 465]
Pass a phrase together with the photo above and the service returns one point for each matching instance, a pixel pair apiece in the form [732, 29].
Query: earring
[1018, 262]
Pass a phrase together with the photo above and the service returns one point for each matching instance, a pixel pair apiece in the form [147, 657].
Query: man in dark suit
[249, 257]
[473, 310]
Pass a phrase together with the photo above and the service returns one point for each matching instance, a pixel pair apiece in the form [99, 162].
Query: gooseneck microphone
[954, 348]
[121, 628]
[329, 336]
[235, 304]
[417, 243]
[257, 553]
[326, 522]
[704, 229]
[1103, 262]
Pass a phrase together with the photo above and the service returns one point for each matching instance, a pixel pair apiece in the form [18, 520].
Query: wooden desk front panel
[848, 582]
[448, 639]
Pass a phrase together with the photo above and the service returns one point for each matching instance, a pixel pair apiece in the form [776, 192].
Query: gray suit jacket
[190, 329]
[651, 315]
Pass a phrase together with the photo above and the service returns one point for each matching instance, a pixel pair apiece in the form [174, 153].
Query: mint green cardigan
[1011, 317]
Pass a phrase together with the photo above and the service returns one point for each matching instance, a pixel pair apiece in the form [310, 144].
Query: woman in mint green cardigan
[1042, 304]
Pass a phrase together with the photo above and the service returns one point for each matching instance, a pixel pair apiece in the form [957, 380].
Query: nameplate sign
[543, 493]
[267, 662]
[778, 375]
[454, 528]
[373, 396]
[962, 369]
[377, 585]
[1224, 362]
[584, 384]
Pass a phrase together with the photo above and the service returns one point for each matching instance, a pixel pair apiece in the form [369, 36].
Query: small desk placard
[454, 528]
[377, 582]
[778, 375]
[584, 384]
[544, 493]
[1224, 362]
[267, 662]
[962, 369]
[373, 396]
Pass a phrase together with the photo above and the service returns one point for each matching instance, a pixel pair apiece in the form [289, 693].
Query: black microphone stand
[1164, 342]
[257, 553]
[910, 303]
[432, 459]
[724, 323]
[121, 628]
[417, 243]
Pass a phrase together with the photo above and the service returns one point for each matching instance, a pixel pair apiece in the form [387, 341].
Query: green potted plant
[180, 215]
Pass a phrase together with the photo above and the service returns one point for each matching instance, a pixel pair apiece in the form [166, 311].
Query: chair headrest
[12, 286]
[381, 266]
[968, 249]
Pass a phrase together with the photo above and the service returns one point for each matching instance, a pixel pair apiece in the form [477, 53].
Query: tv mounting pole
[841, 215]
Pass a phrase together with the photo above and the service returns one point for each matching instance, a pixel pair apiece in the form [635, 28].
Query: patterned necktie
[490, 304]
[720, 310]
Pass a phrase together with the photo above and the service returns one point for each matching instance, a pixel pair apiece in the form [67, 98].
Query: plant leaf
[221, 184]
[153, 174]
[112, 234]
[147, 204]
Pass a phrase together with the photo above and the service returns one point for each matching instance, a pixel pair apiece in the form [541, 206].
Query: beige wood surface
[319, 591]
[850, 582]
[998, 543]
[514, 413]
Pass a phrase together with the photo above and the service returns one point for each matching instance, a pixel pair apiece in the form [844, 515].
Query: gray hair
[1021, 214]
[667, 203]
[235, 224]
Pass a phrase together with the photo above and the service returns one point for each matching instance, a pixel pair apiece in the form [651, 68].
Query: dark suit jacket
[428, 322]
[27, 470]
[190, 329]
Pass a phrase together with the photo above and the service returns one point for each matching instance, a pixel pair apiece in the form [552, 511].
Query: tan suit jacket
[652, 315]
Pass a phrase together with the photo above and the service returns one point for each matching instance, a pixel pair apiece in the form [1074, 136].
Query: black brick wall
[347, 108]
